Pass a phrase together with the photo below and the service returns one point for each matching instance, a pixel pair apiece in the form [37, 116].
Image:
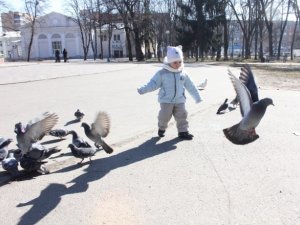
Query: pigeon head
[266, 102]
[85, 126]
[71, 146]
[19, 128]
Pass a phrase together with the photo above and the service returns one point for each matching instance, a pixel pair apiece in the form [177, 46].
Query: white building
[10, 45]
[57, 31]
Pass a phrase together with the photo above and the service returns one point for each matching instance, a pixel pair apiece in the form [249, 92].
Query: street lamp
[167, 33]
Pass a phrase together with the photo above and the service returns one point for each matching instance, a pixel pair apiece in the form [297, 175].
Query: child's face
[176, 64]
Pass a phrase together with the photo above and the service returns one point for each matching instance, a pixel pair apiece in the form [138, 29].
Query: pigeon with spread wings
[247, 78]
[35, 130]
[98, 130]
[252, 113]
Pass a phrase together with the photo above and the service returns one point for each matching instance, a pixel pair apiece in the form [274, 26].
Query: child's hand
[139, 91]
[198, 101]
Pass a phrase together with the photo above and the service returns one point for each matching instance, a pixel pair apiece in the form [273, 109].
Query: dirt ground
[279, 77]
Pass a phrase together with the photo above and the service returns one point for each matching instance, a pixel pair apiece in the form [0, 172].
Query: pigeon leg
[80, 163]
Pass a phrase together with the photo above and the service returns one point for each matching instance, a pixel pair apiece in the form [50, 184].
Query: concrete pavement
[149, 180]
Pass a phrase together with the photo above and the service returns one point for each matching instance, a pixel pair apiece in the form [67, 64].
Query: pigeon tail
[106, 147]
[51, 151]
[238, 136]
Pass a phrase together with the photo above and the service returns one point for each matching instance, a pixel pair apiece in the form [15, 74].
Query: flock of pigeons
[252, 109]
[31, 154]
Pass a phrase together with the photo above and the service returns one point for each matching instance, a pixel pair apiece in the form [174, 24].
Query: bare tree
[295, 7]
[33, 9]
[283, 22]
[134, 17]
[80, 15]
[269, 9]
[245, 15]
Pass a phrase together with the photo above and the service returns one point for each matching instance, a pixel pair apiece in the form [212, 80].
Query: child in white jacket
[172, 82]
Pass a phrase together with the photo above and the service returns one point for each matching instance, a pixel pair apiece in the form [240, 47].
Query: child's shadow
[51, 196]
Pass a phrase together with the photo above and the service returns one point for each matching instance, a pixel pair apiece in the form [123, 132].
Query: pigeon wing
[247, 78]
[242, 93]
[101, 125]
[40, 126]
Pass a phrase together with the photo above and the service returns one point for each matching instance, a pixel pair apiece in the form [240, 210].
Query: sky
[18, 5]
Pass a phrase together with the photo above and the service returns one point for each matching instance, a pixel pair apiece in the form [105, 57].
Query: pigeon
[40, 152]
[4, 142]
[82, 152]
[32, 165]
[78, 141]
[35, 130]
[252, 113]
[247, 78]
[223, 107]
[79, 115]
[99, 129]
[10, 164]
[203, 85]
[59, 133]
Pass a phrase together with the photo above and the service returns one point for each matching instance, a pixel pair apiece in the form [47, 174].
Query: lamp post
[167, 39]
[167, 34]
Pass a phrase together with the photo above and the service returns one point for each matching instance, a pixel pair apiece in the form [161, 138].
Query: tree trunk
[129, 47]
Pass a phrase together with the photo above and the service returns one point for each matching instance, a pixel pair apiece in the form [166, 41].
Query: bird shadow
[62, 155]
[72, 122]
[95, 170]
[52, 141]
[6, 178]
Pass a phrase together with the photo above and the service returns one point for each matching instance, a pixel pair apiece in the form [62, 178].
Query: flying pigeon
[4, 142]
[59, 133]
[223, 107]
[35, 130]
[79, 115]
[78, 141]
[252, 113]
[82, 152]
[247, 78]
[99, 129]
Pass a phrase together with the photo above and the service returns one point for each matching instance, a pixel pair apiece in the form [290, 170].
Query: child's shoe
[161, 133]
[185, 135]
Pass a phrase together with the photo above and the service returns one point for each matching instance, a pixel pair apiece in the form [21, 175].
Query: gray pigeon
[203, 85]
[39, 152]
[223, 107]
[79, 115]
[59, 133]
[35, 130]
[83, 152]
[32, 165]
[252, 113]
[247, 78]
[10, 164]
[4, 142]
[78, 141]
[99, 129]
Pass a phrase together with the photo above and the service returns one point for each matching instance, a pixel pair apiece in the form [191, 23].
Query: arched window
[55, 36]
[42, 36]
[69, 35]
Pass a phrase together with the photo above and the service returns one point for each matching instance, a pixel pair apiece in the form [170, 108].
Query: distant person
[57, 55]
[172, 81]
[65, 54]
